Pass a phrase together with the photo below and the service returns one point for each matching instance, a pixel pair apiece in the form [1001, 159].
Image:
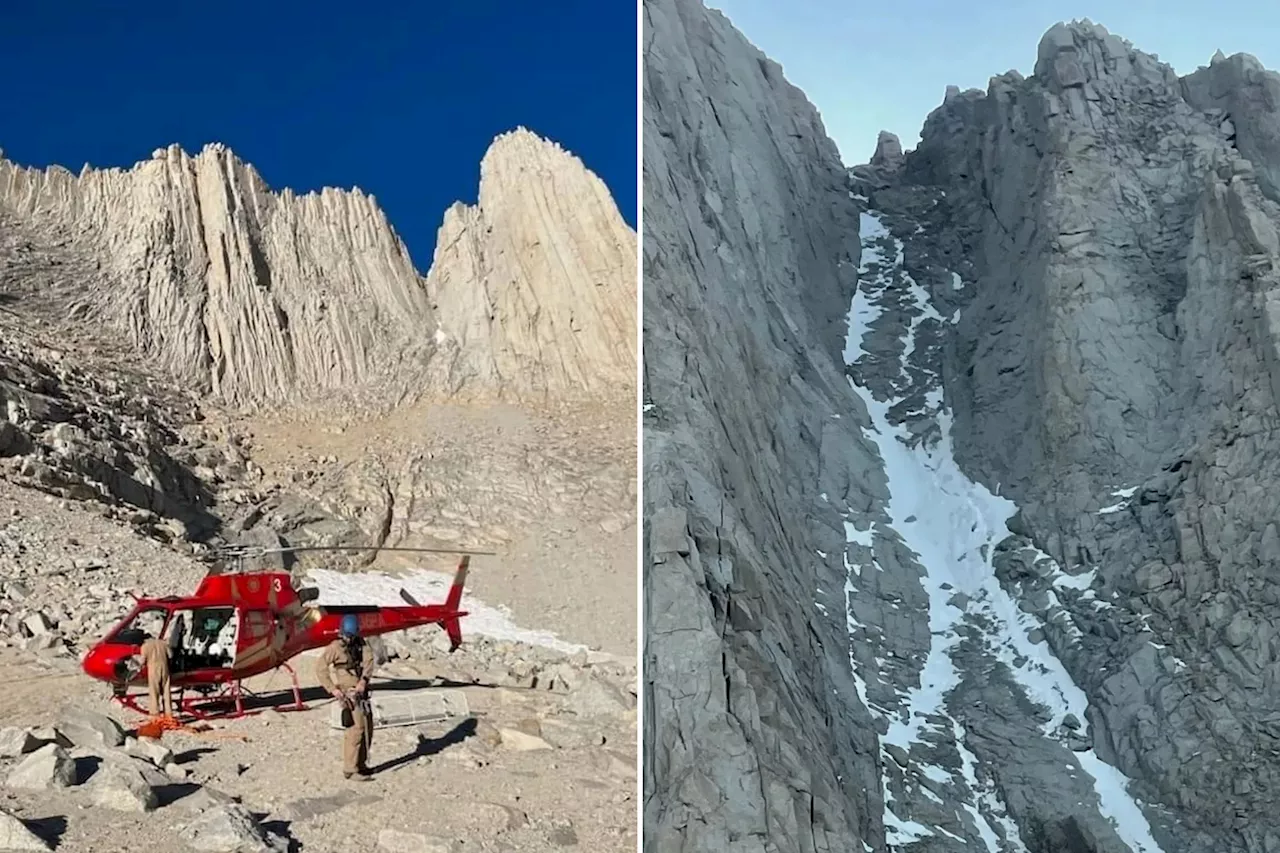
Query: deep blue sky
[868, 65]
[400, 99]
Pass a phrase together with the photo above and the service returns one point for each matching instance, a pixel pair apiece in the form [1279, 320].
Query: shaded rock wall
[754, 739]
[1114, 371]
[1100, 240]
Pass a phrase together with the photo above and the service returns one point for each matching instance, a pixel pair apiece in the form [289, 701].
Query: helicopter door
[257, 630]
[210, 638]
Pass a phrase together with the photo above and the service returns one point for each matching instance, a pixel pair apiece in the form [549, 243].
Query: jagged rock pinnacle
[542, 263]
[888, 153]
[255, 296]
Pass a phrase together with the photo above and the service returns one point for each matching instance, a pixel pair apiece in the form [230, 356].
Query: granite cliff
[961, 538]
[750, 259]
[256, 298]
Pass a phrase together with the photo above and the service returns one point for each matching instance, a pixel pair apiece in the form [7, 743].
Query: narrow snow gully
[953, 525]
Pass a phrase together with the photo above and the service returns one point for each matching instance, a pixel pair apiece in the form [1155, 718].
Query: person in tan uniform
[155, 657]
[344, 669]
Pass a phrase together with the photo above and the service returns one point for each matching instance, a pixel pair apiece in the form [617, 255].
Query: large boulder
[48, 767]
[15, 742]
[227, 828]
[122, 787]
[15, 836]
[87, 728]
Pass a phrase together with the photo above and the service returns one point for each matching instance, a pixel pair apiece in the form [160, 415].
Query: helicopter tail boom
[454, 601]
[374, 620]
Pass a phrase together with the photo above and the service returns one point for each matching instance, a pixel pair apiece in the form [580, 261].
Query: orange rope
[156, 726]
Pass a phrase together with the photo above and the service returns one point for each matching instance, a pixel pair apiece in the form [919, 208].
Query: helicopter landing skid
[206, 706]
[298, 704]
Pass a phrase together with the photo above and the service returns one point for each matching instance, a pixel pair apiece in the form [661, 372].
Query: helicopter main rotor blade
[251, 550]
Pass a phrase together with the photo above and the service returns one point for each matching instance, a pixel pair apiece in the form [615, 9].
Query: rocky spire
[258, 297]
[888, 153]
[535, 285]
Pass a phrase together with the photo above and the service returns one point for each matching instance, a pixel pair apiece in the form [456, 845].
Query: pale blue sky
[886, 64]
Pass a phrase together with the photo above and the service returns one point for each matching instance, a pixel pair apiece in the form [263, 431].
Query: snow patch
[1079, 582]
[1116, 803]
[1125, 495]
[859, 537]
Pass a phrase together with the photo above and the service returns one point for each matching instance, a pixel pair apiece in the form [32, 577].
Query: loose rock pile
[578, 709]
[93, 754]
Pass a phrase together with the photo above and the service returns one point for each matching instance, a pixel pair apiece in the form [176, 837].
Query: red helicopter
[240, 624]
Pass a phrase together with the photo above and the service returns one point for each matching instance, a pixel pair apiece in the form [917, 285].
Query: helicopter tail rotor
[454, 601]
[452, 624]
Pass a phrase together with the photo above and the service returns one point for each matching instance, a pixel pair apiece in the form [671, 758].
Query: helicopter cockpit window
[148, 622]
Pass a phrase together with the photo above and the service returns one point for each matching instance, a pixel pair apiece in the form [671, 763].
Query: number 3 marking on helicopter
[275, 584]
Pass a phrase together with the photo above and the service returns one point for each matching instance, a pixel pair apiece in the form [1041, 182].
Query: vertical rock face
[1113, 369]
[323, 386]
[755, 739]
[255, 297]
[1068, 293]
[888, 151]
[249, 295]
[535, 286]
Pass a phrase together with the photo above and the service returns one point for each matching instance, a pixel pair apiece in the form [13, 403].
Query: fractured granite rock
[1099, 248]
[750, 261]
[1112, 369]
[259, 298]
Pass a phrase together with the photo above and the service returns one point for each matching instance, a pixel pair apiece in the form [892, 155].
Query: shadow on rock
[86, 766]
[282, 699]
[49, 829]
[279, 829]
[430, 746]
[167, 795]
[189, 755]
